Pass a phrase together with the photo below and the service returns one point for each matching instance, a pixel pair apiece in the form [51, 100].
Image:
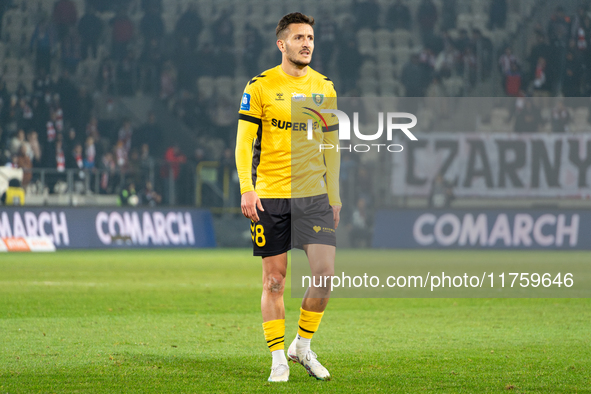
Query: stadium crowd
[60, 123]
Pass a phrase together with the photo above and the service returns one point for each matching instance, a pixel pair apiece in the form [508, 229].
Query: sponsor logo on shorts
[323, 229]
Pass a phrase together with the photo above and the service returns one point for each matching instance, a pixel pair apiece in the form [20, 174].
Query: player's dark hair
[294, 17]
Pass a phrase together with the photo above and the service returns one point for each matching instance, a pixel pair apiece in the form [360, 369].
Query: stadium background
[103, 99]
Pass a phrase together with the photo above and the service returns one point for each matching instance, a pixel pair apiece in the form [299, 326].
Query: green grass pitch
[189, 321]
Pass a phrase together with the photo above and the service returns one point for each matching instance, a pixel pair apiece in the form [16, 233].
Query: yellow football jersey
[267, 165]
[15, 196]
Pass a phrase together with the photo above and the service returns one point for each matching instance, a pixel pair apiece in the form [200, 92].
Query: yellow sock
[308, 323]
[275, 334]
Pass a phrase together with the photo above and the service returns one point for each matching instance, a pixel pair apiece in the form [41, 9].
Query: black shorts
[292, 222]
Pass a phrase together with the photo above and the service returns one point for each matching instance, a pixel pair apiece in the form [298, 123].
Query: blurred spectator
[17, 141]
[134, 167]
[252, 49]
[128, 196]
[108, 167]
[149, 133]
[185, 59]
[448, 15]
[223, 118]
[527, 116]
[102, 5]
[71, 51]
[513, 81]
[540, 49]
[122, 33]
[441, 194]
[173, 159]
[349, 62]
[106, 76]
[59, 158]
[126, 75]
[149, 197]
[150, 63]
[168, 81]
[26, 113]
[14, 195]
[43, 42]
[11, 115]
[506, 63]
[560, 118]
[125, 134]
[146, 159]
[497, 14]
[577, 20]
[559, 35]
[147, 5]
[70, 141]
[506, 60]
[121, 156]
[89, 153]
[5, 5]
[33, 140]
[90, 29]
[573, 71]
[223, 31]
[463, 41]
[427, 17]
[541, 84]
[152, 25]
[189, 25]
[326, 41]
[366, 13]
[483, 48]
[92, 128]
[205, 66]
[412, 77]
[75, 158]
[65, 16]
[398, 16]
[559, 28]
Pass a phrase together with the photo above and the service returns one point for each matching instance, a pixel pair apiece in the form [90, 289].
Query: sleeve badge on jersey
[318, 98]
[245, 104]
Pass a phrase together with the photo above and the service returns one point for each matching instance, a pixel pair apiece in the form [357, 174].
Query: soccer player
[277, 199]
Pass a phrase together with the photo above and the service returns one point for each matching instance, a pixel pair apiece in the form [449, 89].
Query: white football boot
[309, 360]
[279, 373]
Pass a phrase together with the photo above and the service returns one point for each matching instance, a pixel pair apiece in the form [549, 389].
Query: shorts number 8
[258, 235]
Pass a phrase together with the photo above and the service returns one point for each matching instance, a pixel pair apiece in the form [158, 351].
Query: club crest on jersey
[298, 96]
[318, 98]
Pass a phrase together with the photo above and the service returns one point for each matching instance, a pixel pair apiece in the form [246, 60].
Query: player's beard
[299, 63]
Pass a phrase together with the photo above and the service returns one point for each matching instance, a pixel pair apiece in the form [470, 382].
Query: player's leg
[273, 310]
[321, 259]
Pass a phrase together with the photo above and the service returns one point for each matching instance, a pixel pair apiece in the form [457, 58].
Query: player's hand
[249, 204]
[336, 213]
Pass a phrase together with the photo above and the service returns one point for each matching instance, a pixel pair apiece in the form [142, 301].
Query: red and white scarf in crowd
[60, 158]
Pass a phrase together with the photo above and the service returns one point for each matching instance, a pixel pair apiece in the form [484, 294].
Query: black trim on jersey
[327, 79]
[334, 127]
[250, 119]
[255, 78]
[256, 150]
[303, 329]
